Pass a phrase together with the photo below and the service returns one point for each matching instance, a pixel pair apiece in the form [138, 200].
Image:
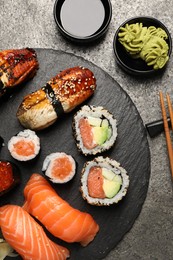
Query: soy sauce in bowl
[79, 17]
[82, 20]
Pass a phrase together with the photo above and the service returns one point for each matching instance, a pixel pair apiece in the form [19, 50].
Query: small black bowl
[63, 9]
[138, 67]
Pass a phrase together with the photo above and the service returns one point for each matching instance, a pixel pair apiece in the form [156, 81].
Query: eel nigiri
[16, 66]
[60, 219]
[60, 95]
[27, 237]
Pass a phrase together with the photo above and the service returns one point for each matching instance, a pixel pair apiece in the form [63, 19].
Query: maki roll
[95, 129]
[24, 146]
[103, 181]
[59, 167]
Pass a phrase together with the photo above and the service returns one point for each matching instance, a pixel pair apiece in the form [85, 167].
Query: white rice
[49, 163]
[112, 165]
[26, 135]
[98, 112]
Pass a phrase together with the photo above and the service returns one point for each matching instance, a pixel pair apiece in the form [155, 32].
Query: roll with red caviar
[103, 181]
[9, 176]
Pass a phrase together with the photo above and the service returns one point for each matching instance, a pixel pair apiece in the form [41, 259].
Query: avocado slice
[111, 188]
[100, 134]
[118, 179]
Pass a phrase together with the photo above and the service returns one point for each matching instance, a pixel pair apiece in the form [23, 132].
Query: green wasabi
[147, 43]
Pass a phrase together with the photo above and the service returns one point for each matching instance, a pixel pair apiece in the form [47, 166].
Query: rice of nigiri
[59, 167]
[24, 146]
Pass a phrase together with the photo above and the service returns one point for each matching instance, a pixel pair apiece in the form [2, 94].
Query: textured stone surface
[27, 23]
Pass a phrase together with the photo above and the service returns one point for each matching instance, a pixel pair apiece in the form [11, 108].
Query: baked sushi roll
[103, 182]
[95, 129]
[16, 66]
[60, 95]
[59, 167]
[24, 146]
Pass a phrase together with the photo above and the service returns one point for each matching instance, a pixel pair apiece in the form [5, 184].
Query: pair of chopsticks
[166, 127]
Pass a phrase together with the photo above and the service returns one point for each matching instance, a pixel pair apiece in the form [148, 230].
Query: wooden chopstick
[170, 109]
[166, 128]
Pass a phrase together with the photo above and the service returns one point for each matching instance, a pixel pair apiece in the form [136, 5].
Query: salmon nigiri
[62, 220]
[27, 237]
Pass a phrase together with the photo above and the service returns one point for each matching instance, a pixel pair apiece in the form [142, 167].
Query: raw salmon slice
[24, 148]
[27, 237]
[95, 183]
[61, 168]
[86, 134]
[62, 220]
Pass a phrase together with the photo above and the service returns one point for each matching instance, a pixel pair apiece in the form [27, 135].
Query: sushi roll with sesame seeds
[95, 129]
[24, 146]
[59, 167]
[103, 181]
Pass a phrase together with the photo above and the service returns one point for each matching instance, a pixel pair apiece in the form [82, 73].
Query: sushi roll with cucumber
[24, 146]
[103, 181]
[59, 167]
[95, 129]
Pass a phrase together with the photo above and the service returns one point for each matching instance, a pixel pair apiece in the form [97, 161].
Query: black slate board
[131, 150]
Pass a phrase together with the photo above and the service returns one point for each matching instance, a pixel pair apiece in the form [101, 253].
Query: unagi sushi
[27, 237]
[62, 220]
[16, 66]
[60, 95]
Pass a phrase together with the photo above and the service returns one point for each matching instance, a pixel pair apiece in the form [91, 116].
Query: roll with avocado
[103, 181]
[95, 130]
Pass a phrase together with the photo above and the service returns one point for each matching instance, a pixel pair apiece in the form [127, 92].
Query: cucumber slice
[94, 121]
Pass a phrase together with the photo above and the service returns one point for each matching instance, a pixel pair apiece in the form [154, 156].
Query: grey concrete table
[30, 23]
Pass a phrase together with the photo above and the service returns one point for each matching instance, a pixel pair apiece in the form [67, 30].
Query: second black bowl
[138, 67]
